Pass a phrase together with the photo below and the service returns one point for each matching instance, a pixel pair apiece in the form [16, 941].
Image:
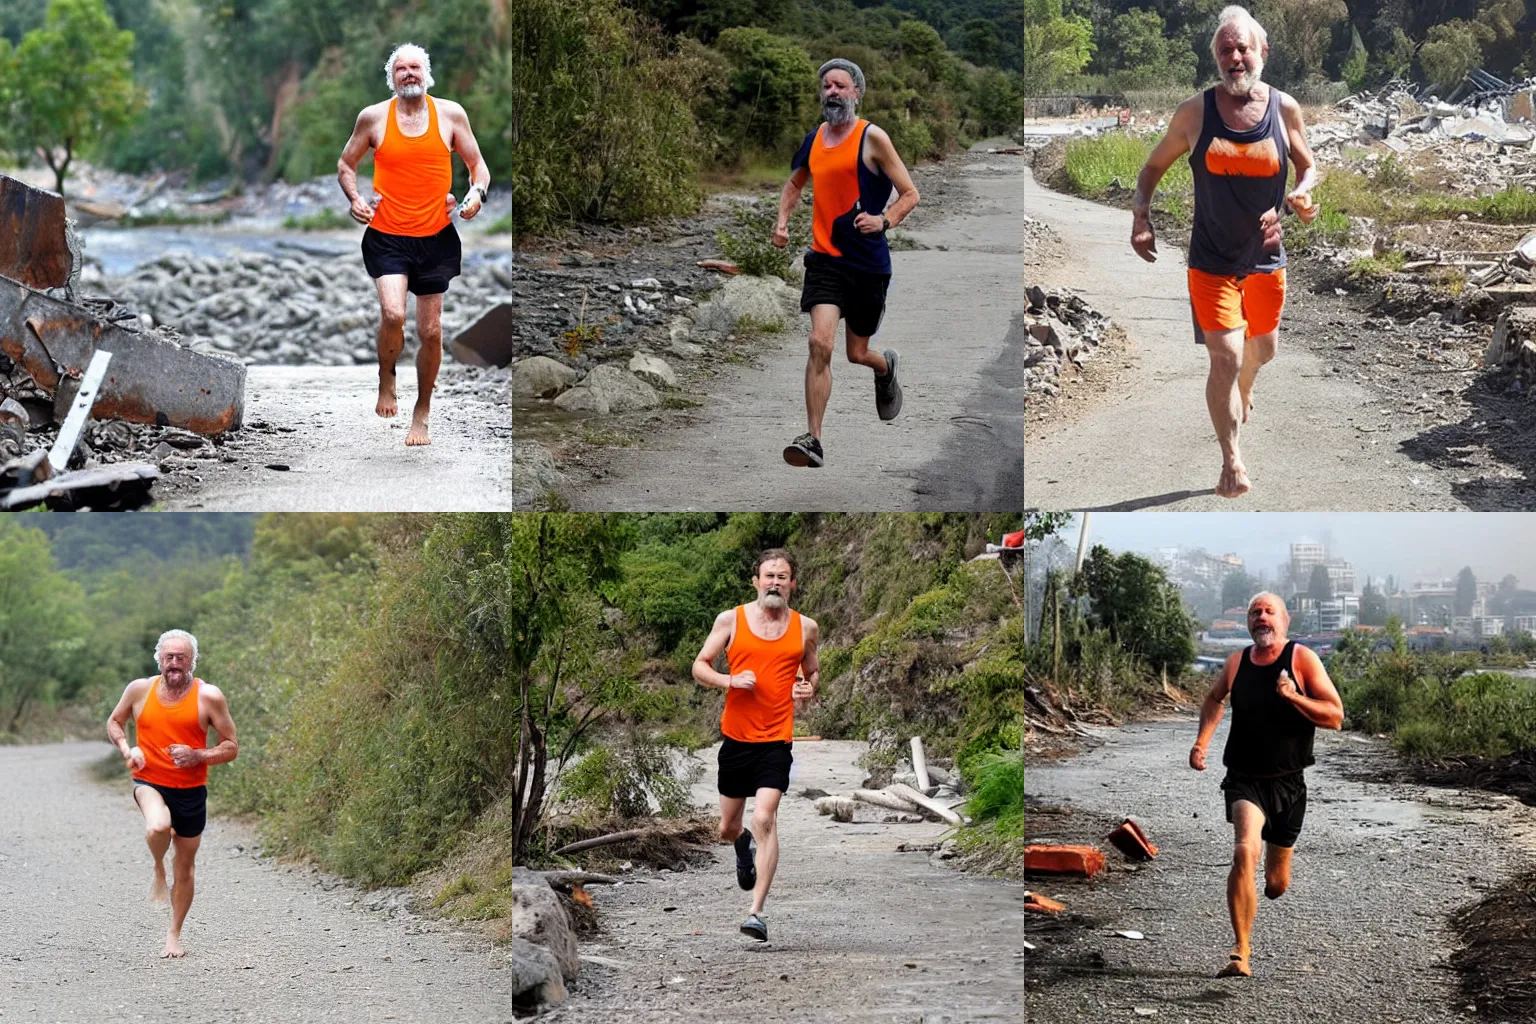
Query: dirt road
[857, 931]
[264, 943]
[1151, 444]
[319, 423]
[1360, 936]
[953, 313]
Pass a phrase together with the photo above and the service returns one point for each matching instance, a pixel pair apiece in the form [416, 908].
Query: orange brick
[1063, 860]
[1042, 904]
[1130, 840]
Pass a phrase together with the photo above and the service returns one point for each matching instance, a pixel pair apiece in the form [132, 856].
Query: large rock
[541, 377]
[538, 917]
[535, 975]
[761, 300]
[533, 472]
[608, 389]
[653, 370]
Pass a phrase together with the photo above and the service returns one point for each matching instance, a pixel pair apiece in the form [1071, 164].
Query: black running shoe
[805, 450]
[755, 927]
[746, 860]
[887, 389]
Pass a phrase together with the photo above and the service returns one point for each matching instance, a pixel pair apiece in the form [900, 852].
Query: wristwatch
[477, 188]
[885, 223]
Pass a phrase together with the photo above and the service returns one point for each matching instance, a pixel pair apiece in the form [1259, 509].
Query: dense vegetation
[252, 89]
[616, 107]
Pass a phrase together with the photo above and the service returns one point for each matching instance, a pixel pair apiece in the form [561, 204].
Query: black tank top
[1238, 175]
[1269, 736]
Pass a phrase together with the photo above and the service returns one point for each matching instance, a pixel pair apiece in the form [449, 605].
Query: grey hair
[1266, 593]
[176, 634]
[396, 53]
[1234, 14]
[846, 65]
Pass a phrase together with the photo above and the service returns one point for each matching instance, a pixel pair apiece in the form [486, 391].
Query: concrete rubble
[1059, 328]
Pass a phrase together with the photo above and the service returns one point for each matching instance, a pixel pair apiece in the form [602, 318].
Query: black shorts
[1283, 799]
[429, 262]
[859, 294]
[189, 807]
[746, 768]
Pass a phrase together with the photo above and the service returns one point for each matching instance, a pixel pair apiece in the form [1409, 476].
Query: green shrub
[622, 780]
[996, 781]
[325, 220]
[750, 245]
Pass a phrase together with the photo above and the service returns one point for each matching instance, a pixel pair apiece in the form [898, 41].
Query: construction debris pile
[1513, 347]
[1059, 327]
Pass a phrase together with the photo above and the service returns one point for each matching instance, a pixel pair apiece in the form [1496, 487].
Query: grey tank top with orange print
[1238, 175]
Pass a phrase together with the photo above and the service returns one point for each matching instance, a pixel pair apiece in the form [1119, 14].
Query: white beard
[773, 601]
[410, 92]
[1244, 84]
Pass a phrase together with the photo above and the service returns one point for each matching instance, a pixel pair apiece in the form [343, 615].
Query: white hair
[1235, 15]
[176, 634]
[1256, 598]
[412, 50]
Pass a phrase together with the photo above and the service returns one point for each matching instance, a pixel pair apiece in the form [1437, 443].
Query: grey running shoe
[746, 860]
[888, 389]
[804, 450]
[755, 927]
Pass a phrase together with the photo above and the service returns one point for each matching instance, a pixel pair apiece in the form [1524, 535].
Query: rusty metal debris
[114, 488]
[34, 245]
[487, 341]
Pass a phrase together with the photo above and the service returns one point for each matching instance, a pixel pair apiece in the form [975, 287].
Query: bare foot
[172, 948]
[387, 405]
[418, 432]
[158, 893]
[1233, 483]
[1247, 407]
[1237, 966]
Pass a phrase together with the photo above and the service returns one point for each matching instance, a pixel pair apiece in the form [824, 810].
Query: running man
[766, 645]
[1280, 695]
[411, 244]
[1240, 136]
[172, 714]
[853, 168]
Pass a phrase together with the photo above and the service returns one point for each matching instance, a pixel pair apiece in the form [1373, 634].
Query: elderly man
[1241, 137]
[1280, 695]
[172, 713]
[853, 168]
[411, 244]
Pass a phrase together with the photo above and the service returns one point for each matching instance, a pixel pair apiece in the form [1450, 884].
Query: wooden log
[612, 837]
[919, 763]
[884, 798]
[840, 807]
[578, 878]
[910, 794]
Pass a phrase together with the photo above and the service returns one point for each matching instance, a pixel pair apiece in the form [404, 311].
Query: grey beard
[1263, 636]
[773, 601]
[1245, 84]
[410, 92]
[839, 111]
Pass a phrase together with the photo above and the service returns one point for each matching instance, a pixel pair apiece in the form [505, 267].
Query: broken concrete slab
[1063, 860]
[487, 341]
[34, 245]
[152, 379]
[116, 488]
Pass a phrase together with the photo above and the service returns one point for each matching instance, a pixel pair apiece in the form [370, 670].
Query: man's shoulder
[449, 107]
[141, 685]
[373, 112]
[210, 691]
[806, 622]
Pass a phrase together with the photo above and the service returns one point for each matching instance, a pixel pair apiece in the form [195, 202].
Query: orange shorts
[1223, 302]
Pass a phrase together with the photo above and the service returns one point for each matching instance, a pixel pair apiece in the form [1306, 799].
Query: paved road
[1152, 444]
[343, 458]
[81, 943]
[952, 313]
[857, 931]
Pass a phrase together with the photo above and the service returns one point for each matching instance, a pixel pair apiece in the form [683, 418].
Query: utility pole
[1082, 542]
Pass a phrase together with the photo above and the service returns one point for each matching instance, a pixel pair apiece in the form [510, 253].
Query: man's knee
[821, 347]
[1245, 854]
[156, 829]
[392, 318]
[1275, 886]
[729, 832]
[763, 823]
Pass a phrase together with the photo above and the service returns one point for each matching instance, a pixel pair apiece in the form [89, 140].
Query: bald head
[1268, 619]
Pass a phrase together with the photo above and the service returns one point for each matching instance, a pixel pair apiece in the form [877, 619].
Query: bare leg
[1257, 351]
[1277, 870]
[730, 816]
[391, 338]
[765, 827]
[1225, 349]
[157, 835]
[429, 328]
[858, 352]
[181, 892]
[1242, 895]
[818, 367]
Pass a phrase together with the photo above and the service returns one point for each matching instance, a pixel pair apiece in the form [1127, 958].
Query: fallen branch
[884, 798]
[613, 837]
[577, 878]
[912, 795]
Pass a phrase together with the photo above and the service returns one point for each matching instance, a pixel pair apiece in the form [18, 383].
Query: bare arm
[889, 161]
[810, 661]
[117, 722]
[788, 200]
[1184, 125]
[1301, 153]
[1212, 710]
[704, 664]
[1321, 703]
[469, 150]
[218, 716]
[352, 154]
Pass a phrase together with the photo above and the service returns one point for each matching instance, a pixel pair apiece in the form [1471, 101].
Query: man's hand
[1197, 757]
[1286, 687]
[869, 224]
[781, 235]
[1302, 203]
[134, 759]
[1269, 223]
[1143, 239]
[743, 680]
[183, 756]
[804, 690]
[361, 211]
[471, 205]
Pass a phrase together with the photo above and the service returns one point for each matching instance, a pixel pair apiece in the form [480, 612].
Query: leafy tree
[1373, 607]
[1136, 52]
[1056, 46]
[1319, 586]
[1299, 33]
[1132, 598]
[1040, 525]
[69, 84]
[1466, 591]
[1450, 51]
[42, 628]
[1237, 589]
[980, 42]
[771, 87]
[1357, 64]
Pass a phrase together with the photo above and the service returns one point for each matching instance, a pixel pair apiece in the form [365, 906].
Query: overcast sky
[1408, 545]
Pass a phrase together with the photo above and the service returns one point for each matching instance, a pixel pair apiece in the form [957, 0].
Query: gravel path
[264, 942]
[858, 932]
[1360, 935]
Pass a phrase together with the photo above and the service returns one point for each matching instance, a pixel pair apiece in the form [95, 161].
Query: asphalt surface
[264, 942]
[1151, 444]
[957, 444]
[857, 932]
[1361, 935]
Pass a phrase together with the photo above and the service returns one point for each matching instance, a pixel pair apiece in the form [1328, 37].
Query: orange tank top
[767, 711]
[412, 176]
[159, 726]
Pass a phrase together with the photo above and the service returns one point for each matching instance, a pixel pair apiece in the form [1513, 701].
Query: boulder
[763, 300]
[535, 975]
[538, 917]
[653, 370]
[541, 377]
[533, 472]
[607, 389]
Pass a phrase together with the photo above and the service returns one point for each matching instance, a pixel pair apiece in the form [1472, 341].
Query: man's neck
[1258, 93]
[411, 106]
[1274, 647]
[172, 688]
[840, 131]
[772, 614]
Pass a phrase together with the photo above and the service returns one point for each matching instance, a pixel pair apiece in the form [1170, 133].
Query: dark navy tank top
[1238, 175]
[1269, 736]
[842, 188]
